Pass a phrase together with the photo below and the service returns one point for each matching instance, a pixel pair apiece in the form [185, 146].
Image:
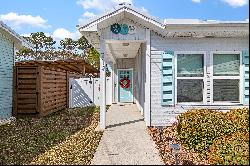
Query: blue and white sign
[123, 29]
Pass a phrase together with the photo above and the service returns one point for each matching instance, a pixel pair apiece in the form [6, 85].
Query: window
[190, 78]
[226, 64]
[226, 90]
[189, 90]
[217, 81]
[226, 78]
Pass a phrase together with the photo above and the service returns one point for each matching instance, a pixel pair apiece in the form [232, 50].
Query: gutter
[19, 41]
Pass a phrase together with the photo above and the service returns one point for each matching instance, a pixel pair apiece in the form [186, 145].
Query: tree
[93, 57]
[68, 47]
[83, 43]
[37, 39]
[44, 49]
[90, 54]
[49, 48]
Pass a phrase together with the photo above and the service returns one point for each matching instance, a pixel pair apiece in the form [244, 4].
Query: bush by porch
[205, 135]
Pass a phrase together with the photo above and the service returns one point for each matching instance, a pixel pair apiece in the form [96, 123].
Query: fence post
[14, 102]
[67, 84]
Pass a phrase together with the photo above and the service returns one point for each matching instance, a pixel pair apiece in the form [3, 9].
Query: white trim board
[147, 104]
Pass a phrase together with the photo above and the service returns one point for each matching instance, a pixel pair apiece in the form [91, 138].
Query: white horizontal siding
[161, 115]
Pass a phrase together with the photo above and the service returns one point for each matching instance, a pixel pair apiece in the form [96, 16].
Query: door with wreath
[125, 86]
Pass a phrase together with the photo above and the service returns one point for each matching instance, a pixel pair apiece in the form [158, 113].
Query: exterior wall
[139, 35]
[163, 115]
[140, 79]
[6, 76]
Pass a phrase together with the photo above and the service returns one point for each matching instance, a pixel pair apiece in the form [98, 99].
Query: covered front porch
[126, 60]
[123, 39]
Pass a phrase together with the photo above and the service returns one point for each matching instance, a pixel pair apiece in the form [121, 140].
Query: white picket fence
[85, 92]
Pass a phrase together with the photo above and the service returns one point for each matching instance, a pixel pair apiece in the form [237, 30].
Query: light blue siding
[245, 59]
[6, 76]
[167, 86]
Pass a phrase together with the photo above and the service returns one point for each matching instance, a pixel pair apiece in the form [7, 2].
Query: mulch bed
[64, 137]
[168, 137]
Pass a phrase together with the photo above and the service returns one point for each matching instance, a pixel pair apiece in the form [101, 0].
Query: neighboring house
[9, 42]
[172, 65]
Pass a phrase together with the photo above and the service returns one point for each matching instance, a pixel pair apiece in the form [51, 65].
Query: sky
[58, 18]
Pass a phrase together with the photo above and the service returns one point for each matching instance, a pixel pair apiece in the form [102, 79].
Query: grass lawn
[65, 137]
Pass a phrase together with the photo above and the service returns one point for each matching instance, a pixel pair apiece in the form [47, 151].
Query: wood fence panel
[41, 90]
[25, 87]
[53, 89]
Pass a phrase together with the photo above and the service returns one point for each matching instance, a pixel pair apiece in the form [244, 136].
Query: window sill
[211, 106]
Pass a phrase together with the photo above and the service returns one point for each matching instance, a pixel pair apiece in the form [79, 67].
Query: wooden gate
[26, 90]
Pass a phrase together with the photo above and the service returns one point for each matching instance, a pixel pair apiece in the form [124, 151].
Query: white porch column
[113, 81]
[102, 86]
[148, 79]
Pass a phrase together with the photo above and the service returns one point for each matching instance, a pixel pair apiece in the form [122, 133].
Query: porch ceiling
[122, 49]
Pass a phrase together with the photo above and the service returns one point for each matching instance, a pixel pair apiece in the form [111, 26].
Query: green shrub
[197, 129]
[230, 150]
[239, 118]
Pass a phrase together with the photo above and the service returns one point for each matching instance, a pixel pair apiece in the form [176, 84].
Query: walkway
[126, 141]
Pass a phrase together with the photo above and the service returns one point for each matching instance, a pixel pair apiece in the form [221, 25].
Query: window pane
[190, 65]
[226, 90]
[189, 90]
[226, 64]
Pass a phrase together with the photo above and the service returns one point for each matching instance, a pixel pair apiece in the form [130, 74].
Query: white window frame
[240, 78]
[188, 78]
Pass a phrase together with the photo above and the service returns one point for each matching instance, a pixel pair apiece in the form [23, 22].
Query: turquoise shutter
[245, 58]
[167, 79]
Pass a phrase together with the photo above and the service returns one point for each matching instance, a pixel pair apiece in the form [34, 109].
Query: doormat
[121, 105]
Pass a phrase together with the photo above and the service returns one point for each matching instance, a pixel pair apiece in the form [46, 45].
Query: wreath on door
[125, 82]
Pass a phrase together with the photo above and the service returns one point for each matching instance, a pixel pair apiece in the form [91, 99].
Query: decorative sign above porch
[123, 29]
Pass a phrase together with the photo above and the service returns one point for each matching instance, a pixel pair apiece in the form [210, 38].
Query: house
[9, 42]
[167, 67]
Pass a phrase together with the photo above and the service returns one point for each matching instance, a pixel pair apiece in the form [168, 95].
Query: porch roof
[122, 10]
[170, 28]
